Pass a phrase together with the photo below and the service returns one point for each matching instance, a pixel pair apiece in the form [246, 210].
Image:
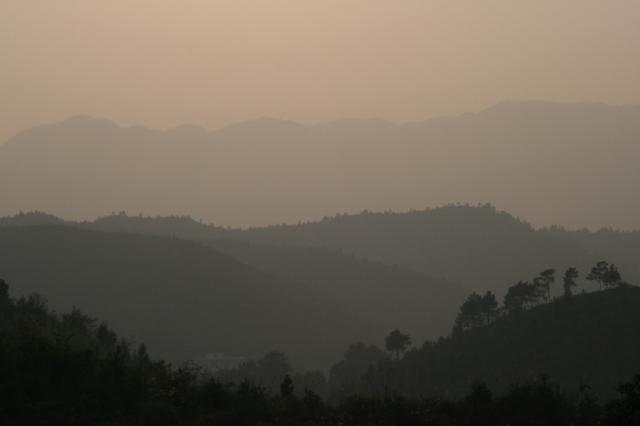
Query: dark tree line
[605, 275]
[477, 311]
[67, 369]
[480, 310]
[269, 371]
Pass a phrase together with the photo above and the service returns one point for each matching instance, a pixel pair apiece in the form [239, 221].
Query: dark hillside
[182, 299]
[69, 369]
[388, 296]
[385, 296]
[590, 339]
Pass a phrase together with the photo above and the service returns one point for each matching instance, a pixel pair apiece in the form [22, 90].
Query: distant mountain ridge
[570, 164]
[511, 107]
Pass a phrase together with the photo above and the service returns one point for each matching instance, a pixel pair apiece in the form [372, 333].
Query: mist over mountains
[549, 163]
[330, 213]
[189, 290]
[272, 235]
[477, 247]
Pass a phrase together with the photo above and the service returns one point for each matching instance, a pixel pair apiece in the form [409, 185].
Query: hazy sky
[166, 62]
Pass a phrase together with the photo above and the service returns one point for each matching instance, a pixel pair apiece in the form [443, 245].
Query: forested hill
[69, 369]
[389, 296]
[589, 342]
[479, 246]
[182, 299]
[384, 296]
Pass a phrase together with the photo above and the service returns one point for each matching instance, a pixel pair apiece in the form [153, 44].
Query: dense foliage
[589, 340]
[66, 369]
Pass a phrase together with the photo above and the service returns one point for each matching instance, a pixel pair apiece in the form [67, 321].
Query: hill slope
[590, 339]
[481, 247]
[181, 298]
[387, 296]
[478, 247]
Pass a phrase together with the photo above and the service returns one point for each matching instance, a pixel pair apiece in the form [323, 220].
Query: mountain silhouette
[567, 164]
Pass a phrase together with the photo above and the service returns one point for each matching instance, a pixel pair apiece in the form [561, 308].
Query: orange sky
[166, 62]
